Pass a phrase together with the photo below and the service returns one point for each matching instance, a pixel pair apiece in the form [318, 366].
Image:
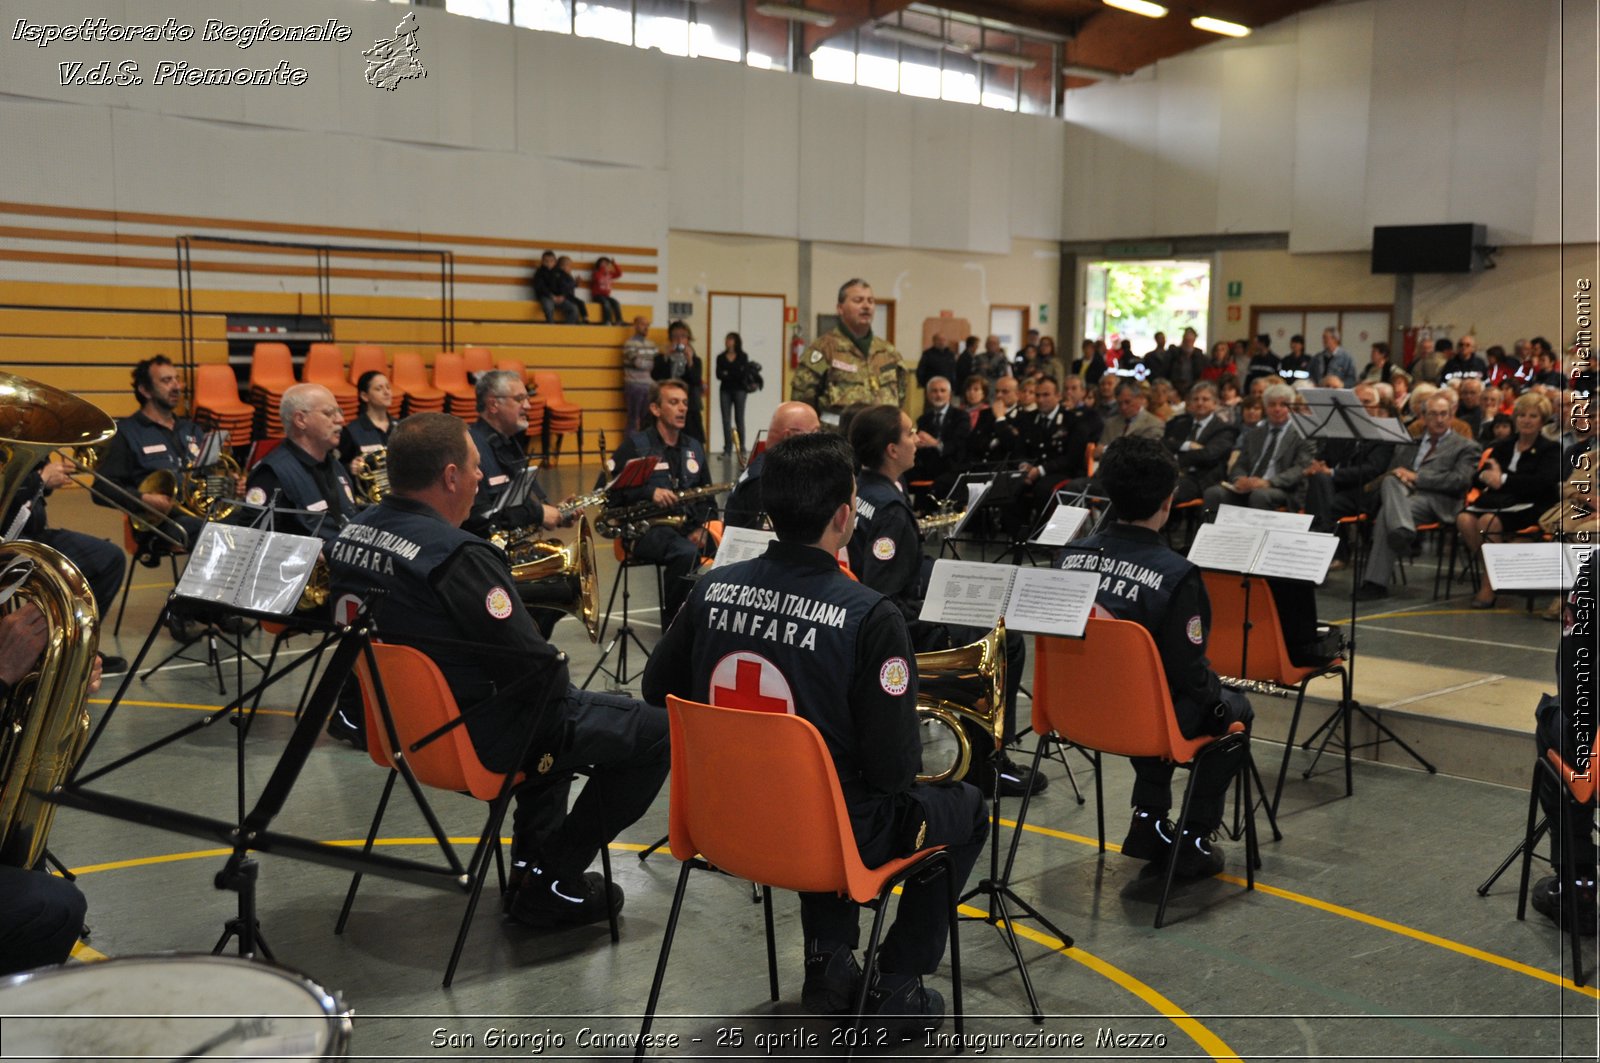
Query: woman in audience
[1027, 394]
[1380, 370]
[1399, 388]
[1228, 397]
[733, 378]
[1049, 362]
[1221, 363]
[1502, 367]
[1251, 410]
[1520, 479]
[680, 361]
[974, 397]
[369, 432]
[601, 281]
[1161, 399]
[1025, 363]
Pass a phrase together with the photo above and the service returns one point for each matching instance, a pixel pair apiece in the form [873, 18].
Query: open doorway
[1132, 300]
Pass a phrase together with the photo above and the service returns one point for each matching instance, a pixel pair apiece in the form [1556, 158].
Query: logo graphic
[393, 61]
[894, 676]
[743, 680]
[498, 603]
[1195, 632]
[256, 496]
[883, 548]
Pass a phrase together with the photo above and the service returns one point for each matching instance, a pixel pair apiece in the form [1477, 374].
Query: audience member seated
[1105, 393]
[1337, 480]
[1201, 440]
[1465, 365]
[1220, 364]
[1502, 368]
[975, 398]
[997, 437]
[1518, 481]
[942, 433]
[549, 287]
[567, 285]
[1131, 418]
[601, 281]
[1469, 404]
[1427, 369]
[1270, 468]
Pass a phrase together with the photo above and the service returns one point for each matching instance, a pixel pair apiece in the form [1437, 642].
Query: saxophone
[635, 519]
[43, 725]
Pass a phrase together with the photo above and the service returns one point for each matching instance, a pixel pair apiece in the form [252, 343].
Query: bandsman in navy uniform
[680, 465]
[442, 583]
[849, 670]
[743, 508]
[886, 555]
[368, 434]
[155, 439]
[1144, 580]
[850, 365]
[500, 434]
[303, 472]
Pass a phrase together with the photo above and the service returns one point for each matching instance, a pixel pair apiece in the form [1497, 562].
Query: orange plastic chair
[737, 776]
[367, 358]
[131, 545]
[511, 365]
[411, 381]
[271, 368]
[1554, 771]
[476, 359]
[325, 365]
[560, 415]
[1116, 664]
[217, 402]
[420, 703]
[1265, 659]
[450, 377]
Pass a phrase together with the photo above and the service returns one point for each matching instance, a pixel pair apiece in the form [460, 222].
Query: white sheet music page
[248, 568]
[1296, 555]
[1062, 526]
[1226, 547]
[975, 493]
[1526, 566]
[741, 544]
[1229, 516]
[972, 593]
[1047, 601]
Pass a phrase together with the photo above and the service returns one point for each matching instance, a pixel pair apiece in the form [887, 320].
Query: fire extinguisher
[797, 347]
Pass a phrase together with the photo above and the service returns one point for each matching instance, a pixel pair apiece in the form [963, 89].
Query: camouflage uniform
[833, 374]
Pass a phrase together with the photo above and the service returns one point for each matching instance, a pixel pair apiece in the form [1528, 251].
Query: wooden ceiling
[1095, 35]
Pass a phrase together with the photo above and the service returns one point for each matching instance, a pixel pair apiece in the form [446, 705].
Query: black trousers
[101, 562]
[40, 919]
[1152, 777]
[665, 546]
[957, 817]
[622, 743]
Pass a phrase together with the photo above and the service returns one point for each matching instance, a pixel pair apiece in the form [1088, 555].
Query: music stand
[636, 473]
[1004, 484]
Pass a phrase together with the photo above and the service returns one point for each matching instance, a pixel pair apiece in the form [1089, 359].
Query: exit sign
[1235, 289]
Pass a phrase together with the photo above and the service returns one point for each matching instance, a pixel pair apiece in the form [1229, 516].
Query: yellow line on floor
[1424, 612]
[184, 705]
[84, 954]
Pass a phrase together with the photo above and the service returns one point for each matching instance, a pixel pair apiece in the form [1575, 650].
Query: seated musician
[1164, 593]
[680, 466]
[443, 583]
[886, 555]
[743, 508]
[302, 478]
[368, 434]
[500, 433]
[151, 440]
[857, 683]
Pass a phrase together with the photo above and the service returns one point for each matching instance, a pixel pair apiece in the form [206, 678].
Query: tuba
[559, 575]
[964, 682]
[44, 726]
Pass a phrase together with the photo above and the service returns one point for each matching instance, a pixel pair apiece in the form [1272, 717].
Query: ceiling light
[1217, 25]
[1138, 7]
[920, 39]
[794, 13]
[1019, 62]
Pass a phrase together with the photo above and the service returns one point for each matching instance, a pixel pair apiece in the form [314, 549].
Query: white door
[1280, 326]
[758, 319]
[1360, 329]
[1006, 322]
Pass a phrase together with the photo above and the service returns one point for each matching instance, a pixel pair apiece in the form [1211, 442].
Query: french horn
[964, 682]
[560, 575]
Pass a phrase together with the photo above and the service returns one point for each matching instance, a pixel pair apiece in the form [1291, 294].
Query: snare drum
[172, 1007]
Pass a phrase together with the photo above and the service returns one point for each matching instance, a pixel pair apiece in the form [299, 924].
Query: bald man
[303, 473]
[743, 508]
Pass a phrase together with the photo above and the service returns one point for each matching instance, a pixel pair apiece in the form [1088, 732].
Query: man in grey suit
[1131, 418]
[1427, 481]
[1201, 440]
[1270, 468]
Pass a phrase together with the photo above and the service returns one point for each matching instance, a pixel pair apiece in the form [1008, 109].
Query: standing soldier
[850, 365]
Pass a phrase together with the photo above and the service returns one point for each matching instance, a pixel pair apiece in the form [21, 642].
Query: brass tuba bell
[560, 575]
[964, 682]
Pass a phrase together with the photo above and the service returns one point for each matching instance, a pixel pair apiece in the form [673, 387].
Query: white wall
[1348, 116]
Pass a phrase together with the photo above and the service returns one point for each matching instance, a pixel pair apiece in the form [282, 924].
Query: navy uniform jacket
[678, 468]
[320, 487]
[440, 582]
[790, 632]
[501, 459]
[886, 551]
[142, 447]
[744, 508]
[361, 436]
[1144, 580]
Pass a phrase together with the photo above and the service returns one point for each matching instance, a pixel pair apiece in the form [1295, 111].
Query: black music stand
[621, 676]
[1005, 484]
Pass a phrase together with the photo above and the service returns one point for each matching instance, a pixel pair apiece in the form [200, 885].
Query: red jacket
[600, 280]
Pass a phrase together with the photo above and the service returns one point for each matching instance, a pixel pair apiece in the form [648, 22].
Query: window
[552, 16]
[716, 33]
[877, 63]
[603, 21]
[919, 72]
[662, 24]
[766, 41]
[832, 63]
[493, 10]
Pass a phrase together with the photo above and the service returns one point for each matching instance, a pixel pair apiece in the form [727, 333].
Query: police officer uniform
[998, 439]
[440, 582]
[677, 468]
[1144, 580]
[502, 459]
[886, 555]
[838, 370]
[141, 447]
[291, 480]
[849, 670]
[1057, 442]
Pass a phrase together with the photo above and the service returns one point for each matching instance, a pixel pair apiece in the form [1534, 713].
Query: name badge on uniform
[496, 481]
[844, 366]
[368, 448]
[662, 466]
[156, 448]
[318, 506]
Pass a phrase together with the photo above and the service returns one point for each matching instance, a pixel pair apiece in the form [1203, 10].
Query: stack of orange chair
[366, 358]
[325, 366]
[450, 377]
[476, 360]
[217, 403]
[410, 381]
[535, 403]
[271, 374]
[560, 416]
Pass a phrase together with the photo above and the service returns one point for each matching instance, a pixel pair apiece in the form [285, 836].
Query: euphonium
[315, 596]
[560, 575]
[374, 474]
[965, 681]
[211, 493]
[43, 726]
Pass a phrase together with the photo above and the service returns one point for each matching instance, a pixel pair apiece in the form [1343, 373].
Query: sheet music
[1296, 555]
[741, 544]
[251, 569]
[975, 493]
[1271, 519]
[1526, 566]
[210, 450]
[1047, 601]
[1064, 523]
[972, 593]
[1226, 548]
[518, 492]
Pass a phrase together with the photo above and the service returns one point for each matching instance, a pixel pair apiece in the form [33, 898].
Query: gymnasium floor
[1364, 939]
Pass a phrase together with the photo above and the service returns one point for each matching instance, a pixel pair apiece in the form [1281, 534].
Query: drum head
[171, 1007]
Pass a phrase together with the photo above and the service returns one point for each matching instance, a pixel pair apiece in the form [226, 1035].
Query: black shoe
[903, 1007]
[569, 902]
[1546, 899]
[341, 729]
[184, 629]
[1370, 591]
[111, 664]
[1149, 836]
[1328, 645]
[1015, 780]
[833, 980]
[1196, 856]
[236, 625]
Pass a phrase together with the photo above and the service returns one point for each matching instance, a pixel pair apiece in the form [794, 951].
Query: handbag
[752, 377]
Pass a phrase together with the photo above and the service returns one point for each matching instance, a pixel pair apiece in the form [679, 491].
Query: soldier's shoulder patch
[1195, 630]
[498, 603]
[883, 548]
[895, 676]
[816, 354]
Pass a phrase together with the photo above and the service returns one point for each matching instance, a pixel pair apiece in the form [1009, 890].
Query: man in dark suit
[942, 432]
[998, 435]
[938, 360]
[1201, 441]
[1271, 464]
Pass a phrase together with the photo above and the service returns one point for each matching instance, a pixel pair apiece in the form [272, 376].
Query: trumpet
[560, 575]
[966, 682]
[635, 519]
